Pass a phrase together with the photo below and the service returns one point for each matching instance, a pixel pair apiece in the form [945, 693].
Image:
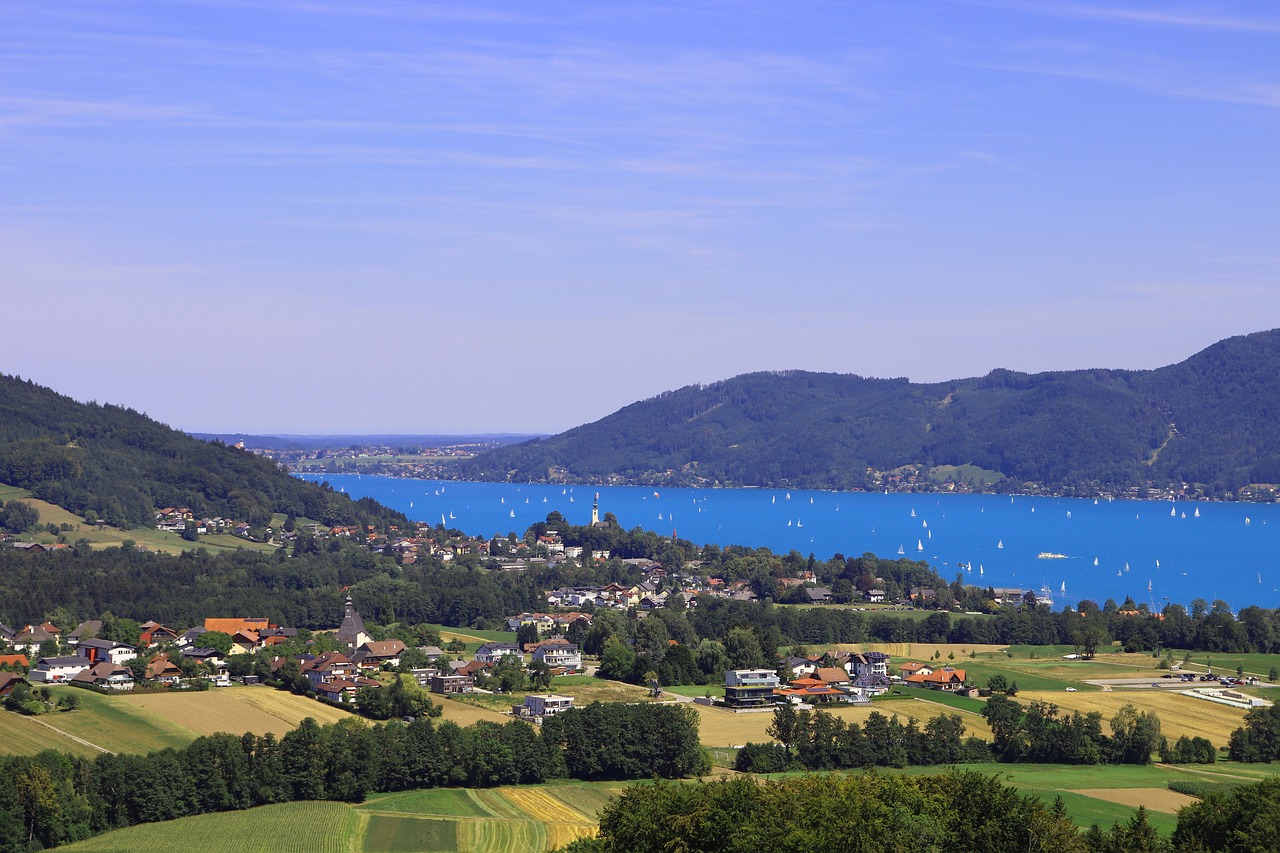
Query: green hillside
[1208, 420]
[121, 466]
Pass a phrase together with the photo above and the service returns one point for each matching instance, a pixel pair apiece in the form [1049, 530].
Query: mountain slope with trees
[122, 466]
[1207, 420]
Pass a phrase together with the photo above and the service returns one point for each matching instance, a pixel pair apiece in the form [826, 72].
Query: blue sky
[319, 217]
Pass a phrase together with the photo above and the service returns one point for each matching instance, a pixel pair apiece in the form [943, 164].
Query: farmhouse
[58, 669]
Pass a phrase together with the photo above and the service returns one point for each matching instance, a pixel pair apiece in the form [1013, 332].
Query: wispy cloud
[1163, 15]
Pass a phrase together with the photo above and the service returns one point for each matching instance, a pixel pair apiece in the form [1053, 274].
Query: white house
[493, 652]
[546, 705]
[558, 654]
[59, 669]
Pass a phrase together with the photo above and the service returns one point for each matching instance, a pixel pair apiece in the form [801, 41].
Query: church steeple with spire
[595, 511]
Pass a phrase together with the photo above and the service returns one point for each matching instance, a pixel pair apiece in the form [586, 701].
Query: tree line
[953, 811]
[53, 798]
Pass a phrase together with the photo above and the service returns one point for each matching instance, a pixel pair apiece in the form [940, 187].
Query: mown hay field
[235, 709]
[309, 827]
[140, 723]
[1179, 715]
[720, 727]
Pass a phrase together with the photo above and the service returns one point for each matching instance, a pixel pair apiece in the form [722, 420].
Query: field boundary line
[1182, 769]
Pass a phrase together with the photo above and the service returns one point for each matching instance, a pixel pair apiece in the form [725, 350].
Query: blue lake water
[1231, 551]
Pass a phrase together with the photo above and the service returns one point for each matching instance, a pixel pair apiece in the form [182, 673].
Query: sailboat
[1259, 577]
[1095, 561]
[1173, 513]
[442, 519]
[900, 551]
[1126, 566]
[919, 545]
[788, 496]
[1184, 515]
[1157, 563]
[810, 500]
[1000, 544]
[544, 498]
[788, 522]
[930, 534]
[913, 513]
[1197, 512]
[502, 500]
[979, 569]
[924, 524]
[1119, 573]
[1064, 587]
[410, 504]
[451, 515]
[774, 499]
[1148, 585]
[659, 516]
[798, 524]
[1068, 513]
[1248, 520]
[513, 513]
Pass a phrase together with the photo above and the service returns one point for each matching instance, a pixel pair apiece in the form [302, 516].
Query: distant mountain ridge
[1211, 419]
[289, 441]
[123, 466]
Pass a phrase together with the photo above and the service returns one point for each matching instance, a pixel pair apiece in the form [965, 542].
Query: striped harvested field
[1179, 715]
[21, 735]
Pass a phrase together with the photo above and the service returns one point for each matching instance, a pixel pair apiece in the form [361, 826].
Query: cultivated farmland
[309, 827]
[147, 722]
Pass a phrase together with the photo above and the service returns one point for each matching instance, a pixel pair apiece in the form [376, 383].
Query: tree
[539, 675]
[220, 641]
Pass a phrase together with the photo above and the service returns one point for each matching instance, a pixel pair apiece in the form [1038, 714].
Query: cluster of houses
[847, 677]
[101, 663]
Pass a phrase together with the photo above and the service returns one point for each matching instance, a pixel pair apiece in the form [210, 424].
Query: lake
[1154, 551]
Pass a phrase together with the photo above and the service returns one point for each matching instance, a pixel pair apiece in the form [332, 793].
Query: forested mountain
[1208, 420]
[123, 465]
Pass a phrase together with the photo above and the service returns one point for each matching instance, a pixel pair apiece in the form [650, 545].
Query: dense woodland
[115, 464]
[52, 798]
[1210, 418]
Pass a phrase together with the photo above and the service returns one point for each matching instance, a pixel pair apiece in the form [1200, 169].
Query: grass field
[316, 827]
[146, 722]
[21, 735]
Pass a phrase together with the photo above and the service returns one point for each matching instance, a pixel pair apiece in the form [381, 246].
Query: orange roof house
[234, 625]
[948, 679]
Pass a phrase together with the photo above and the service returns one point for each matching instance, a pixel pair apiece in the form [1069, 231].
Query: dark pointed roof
[352, 625]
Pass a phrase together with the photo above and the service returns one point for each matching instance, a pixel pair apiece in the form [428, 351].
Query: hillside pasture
[21, 735]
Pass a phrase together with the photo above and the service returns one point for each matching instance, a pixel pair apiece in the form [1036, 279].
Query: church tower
[595, 511]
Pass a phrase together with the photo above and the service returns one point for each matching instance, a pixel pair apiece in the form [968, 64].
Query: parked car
[1071, 690]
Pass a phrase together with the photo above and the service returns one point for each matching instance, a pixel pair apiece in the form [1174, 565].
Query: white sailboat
[1064, 587]
[1095, 561]
[1119, 573]
[788, 495]
[1157, 563]
[513, 513]
[1148, 585]
[1197, 512]
[919, 545]
[913, 513]
[502, 500]
[979, 569]
[930, 534]
[924, 524]
[1000, 544]
[659, 516]
[1184, 515]
[1126, 566]
[774, 499]
[451, 515]
[1248, 520]
[798, 524]
[900, 551]
[442, 519]
[1173, 512]
[788, 522]
[410, 504]
[1068, 513]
